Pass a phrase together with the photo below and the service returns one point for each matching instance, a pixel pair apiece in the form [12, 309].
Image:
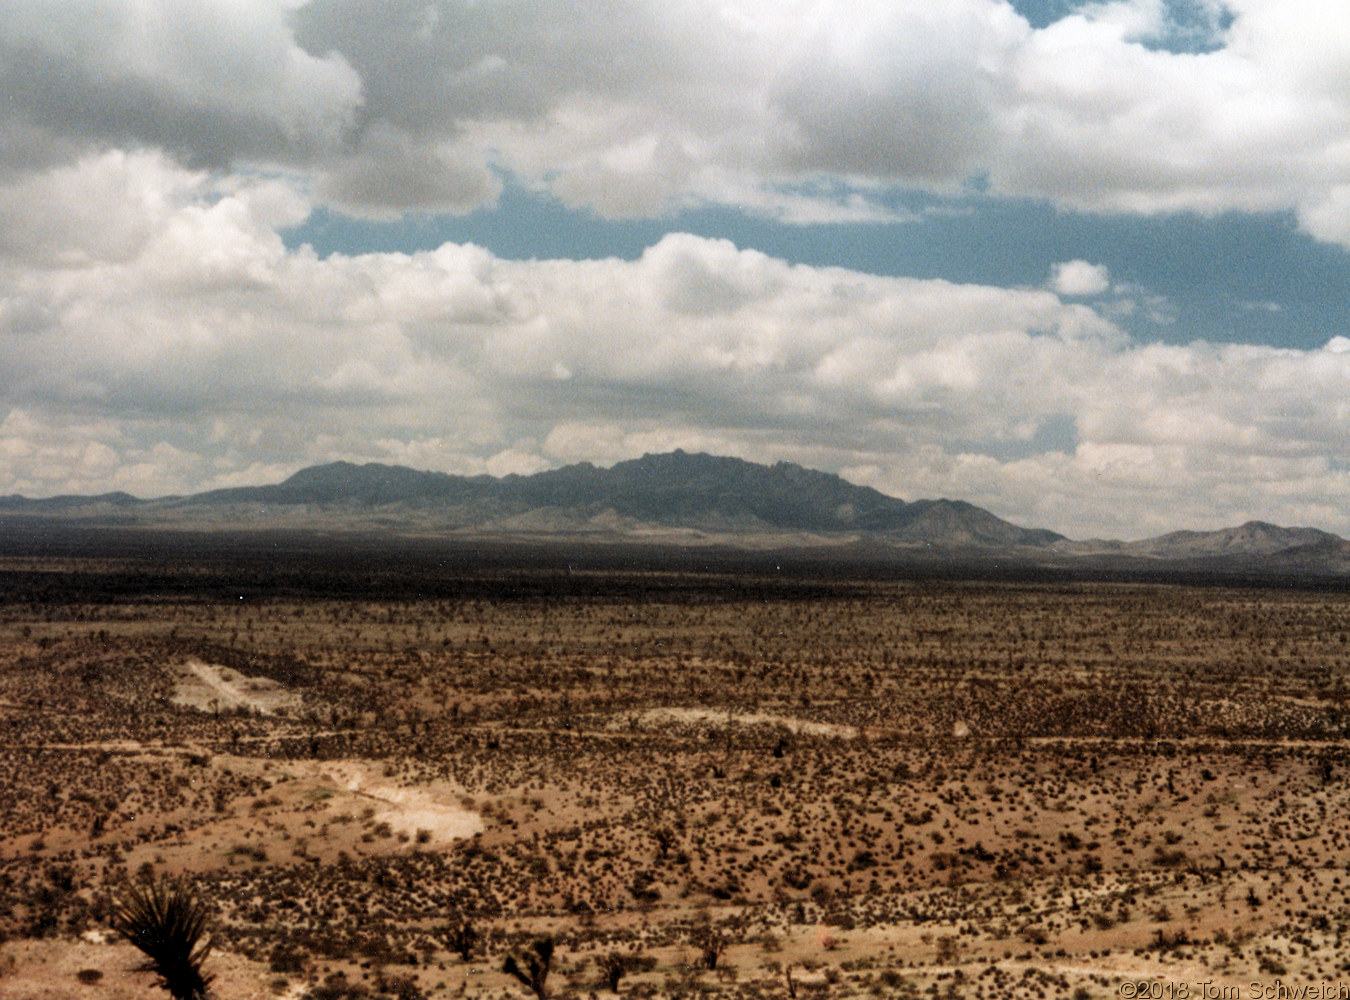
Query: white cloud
[391, 173]
[639, 107]
[1078, 279]
[184, 347]
[100, 208]
[215, 81]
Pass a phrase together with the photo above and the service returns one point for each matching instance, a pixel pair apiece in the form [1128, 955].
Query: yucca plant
[168, 923]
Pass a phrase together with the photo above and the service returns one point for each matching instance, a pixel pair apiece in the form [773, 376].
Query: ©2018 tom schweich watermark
[1207, 989]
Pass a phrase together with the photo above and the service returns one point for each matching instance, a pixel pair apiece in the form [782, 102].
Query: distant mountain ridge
[1252, 538]
[678, 498]
[676, 489]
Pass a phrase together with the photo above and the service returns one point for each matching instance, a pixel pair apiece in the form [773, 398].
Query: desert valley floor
[385, 771]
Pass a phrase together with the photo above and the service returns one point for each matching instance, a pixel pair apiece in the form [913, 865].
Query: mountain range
[680, 499]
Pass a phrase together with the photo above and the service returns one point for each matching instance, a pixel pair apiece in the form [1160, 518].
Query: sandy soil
[711, 717]
[210, 687]
[432, 808]
[48, 970]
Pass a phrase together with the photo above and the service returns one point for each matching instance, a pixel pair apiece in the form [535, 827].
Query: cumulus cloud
[1078, 278]
[636, 108]
[182, 346]
[214, 82]
[391, 173]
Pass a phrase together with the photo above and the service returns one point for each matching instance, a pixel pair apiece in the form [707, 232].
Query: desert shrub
[336, 987]
[286, 957]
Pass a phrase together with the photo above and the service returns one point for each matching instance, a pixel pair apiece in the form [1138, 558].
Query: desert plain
[385, 769]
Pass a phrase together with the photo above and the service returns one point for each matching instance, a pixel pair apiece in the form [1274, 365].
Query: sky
[1086, 265]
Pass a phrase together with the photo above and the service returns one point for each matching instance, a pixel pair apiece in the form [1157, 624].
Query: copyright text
[1209, 990]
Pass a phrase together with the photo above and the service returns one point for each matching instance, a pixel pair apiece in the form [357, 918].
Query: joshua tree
[613, 967]
[461, 936]
[168, 923]
[711, 943]
[664, 837]
[531, 968]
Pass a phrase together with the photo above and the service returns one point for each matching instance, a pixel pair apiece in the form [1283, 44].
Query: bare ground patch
[430, 810]
[711, 717]
[211, 687]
